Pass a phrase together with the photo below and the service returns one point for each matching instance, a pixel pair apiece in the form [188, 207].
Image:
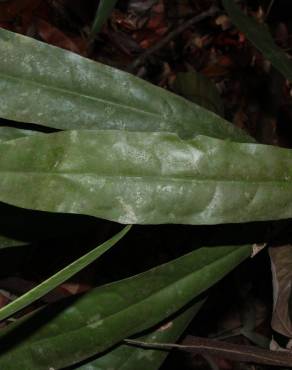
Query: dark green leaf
[147, 178]
[200, 90]
[59, 278]
[104, 10]
[260, 36]
[6, 242]
[54, 87]
[108, 314]
[125, 357]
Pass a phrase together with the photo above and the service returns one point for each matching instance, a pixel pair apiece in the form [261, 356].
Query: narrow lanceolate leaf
[126, 357]
[65, 335]
[6, 242]
[59, 278]
[104, 10]
[53, 87]
[147, 178]
[260, 36]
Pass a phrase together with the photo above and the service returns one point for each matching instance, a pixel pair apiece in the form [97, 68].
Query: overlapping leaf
[147, 178]
[106, 315]
[53, 87]
[9, 133]
[126, 357]
[260, 36]
[104, 10]
[6, 242]
[59, 278]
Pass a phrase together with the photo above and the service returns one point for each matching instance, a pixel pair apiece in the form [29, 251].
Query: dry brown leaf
[13, 8]
[54, 36]
[281, 262]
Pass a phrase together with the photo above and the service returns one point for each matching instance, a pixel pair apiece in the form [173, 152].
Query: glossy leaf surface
[147, 178]
[54, 87]
[60, 277]
[106, 315]
[126, 357]
[260, 36]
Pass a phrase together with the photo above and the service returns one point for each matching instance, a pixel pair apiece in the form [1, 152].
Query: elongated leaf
[106, 315]
[6, 242]
[104, 10]
[199, 89]
[147, 178]
[10, 133]
[125, 357]
[53, 87]
[59, 278]
[260, 36]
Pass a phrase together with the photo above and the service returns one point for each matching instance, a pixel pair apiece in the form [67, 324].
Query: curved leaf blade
[60, 89]
[108, 314]
[104, 10]
[60, 277]
[147, 178]
[125, 357]
[260, 36]
[6, 242]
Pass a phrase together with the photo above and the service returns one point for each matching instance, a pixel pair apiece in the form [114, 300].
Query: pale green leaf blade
[60, 277]
[147, 178]
[10, 133]
[43, 84]
[260, 36]
[126, 357]
[104, 10]
[106, 315]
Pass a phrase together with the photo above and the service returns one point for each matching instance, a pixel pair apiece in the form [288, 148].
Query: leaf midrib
[150, 177]
[74, 93]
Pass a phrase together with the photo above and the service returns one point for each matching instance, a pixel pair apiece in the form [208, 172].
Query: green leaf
[147, 178]
[104, 10]
[126, 357]
[56, 338]
[199, 89]
[260, 36]
[6, 242]
[60, 89]
[59, 278]
[11, 133]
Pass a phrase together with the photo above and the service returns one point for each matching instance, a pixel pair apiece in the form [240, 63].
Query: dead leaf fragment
[281, 263]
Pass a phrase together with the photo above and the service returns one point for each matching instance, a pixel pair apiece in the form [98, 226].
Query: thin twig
[235, 352]
[171, 35]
